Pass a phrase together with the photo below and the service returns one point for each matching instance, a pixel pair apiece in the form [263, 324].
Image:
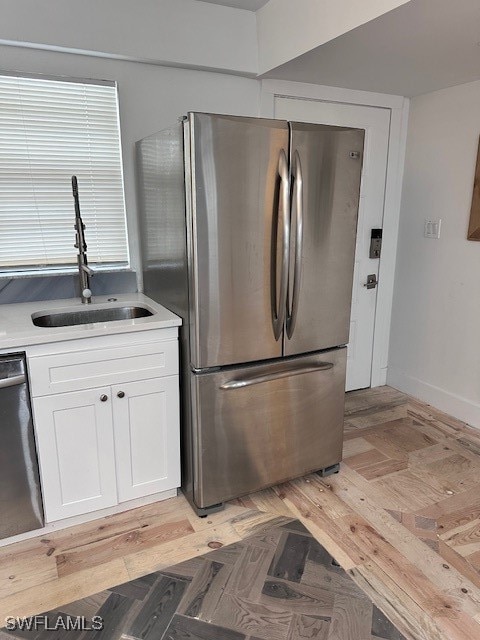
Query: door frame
[398, 106]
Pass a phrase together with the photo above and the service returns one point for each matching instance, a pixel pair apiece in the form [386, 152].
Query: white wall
[176, 32]
[151, 98]
[289, 29]
[435, 339]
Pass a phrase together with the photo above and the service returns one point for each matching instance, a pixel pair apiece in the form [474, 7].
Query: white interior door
[376, 122]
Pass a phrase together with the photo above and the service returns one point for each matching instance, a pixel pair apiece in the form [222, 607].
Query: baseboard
[379, 377]
[458, 407]
[88, 517]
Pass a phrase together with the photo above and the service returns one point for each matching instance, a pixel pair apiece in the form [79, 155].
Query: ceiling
[420, 47]
[249, 5]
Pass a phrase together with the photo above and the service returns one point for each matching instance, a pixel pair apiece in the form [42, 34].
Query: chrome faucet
[84, 271]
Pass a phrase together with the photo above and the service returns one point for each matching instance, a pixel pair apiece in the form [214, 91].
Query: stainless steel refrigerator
[248, 231]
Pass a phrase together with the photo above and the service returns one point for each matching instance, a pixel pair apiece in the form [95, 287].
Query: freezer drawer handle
[14, 381]
[269, 377]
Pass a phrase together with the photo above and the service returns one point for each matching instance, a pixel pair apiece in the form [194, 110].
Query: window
[51, 129]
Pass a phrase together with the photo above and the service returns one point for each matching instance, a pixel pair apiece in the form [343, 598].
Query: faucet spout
[88, 271]
[84, 271]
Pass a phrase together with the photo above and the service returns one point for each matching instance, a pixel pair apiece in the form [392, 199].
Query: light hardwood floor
[402, 517]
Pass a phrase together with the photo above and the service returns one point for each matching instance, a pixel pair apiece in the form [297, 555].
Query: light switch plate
[432, 229]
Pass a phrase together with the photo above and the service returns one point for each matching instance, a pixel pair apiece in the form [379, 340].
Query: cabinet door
[147, 436]
[76, 452]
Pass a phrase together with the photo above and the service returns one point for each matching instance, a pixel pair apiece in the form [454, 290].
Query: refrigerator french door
[329, 161]
[263, 268]
[239, 178]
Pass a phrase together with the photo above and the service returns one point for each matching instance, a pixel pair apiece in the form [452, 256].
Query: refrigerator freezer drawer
[264, 424]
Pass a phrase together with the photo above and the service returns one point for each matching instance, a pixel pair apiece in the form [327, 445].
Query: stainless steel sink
[87, 316]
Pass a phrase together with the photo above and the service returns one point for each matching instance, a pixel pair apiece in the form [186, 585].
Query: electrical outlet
[432, 229]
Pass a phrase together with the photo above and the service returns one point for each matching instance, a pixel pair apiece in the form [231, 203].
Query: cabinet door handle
[103, 398]
[121, 394]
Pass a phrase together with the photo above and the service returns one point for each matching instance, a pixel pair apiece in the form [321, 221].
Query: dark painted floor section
[277, 585]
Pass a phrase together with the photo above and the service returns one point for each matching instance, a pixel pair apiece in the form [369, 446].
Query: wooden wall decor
[474, 226]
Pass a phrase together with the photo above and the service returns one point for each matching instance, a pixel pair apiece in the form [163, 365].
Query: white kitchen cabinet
[76, 452]
[147, 448]
[117, 436]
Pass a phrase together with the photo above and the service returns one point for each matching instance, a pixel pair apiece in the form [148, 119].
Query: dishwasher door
[20, 496]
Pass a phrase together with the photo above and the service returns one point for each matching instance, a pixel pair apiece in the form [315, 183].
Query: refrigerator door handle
[283, 218]
[297, 207]
[269, 377]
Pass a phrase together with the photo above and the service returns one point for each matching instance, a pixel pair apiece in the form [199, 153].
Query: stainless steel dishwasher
[20, 496]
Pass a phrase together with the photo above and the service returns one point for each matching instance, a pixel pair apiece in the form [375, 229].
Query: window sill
[64, 271]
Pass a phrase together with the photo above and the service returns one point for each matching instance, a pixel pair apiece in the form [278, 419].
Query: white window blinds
[49, 131]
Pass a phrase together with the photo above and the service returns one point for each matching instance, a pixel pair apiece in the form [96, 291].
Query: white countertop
[17, 329]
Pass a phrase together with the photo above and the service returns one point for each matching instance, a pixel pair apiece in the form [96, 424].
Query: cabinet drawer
[77, 370]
